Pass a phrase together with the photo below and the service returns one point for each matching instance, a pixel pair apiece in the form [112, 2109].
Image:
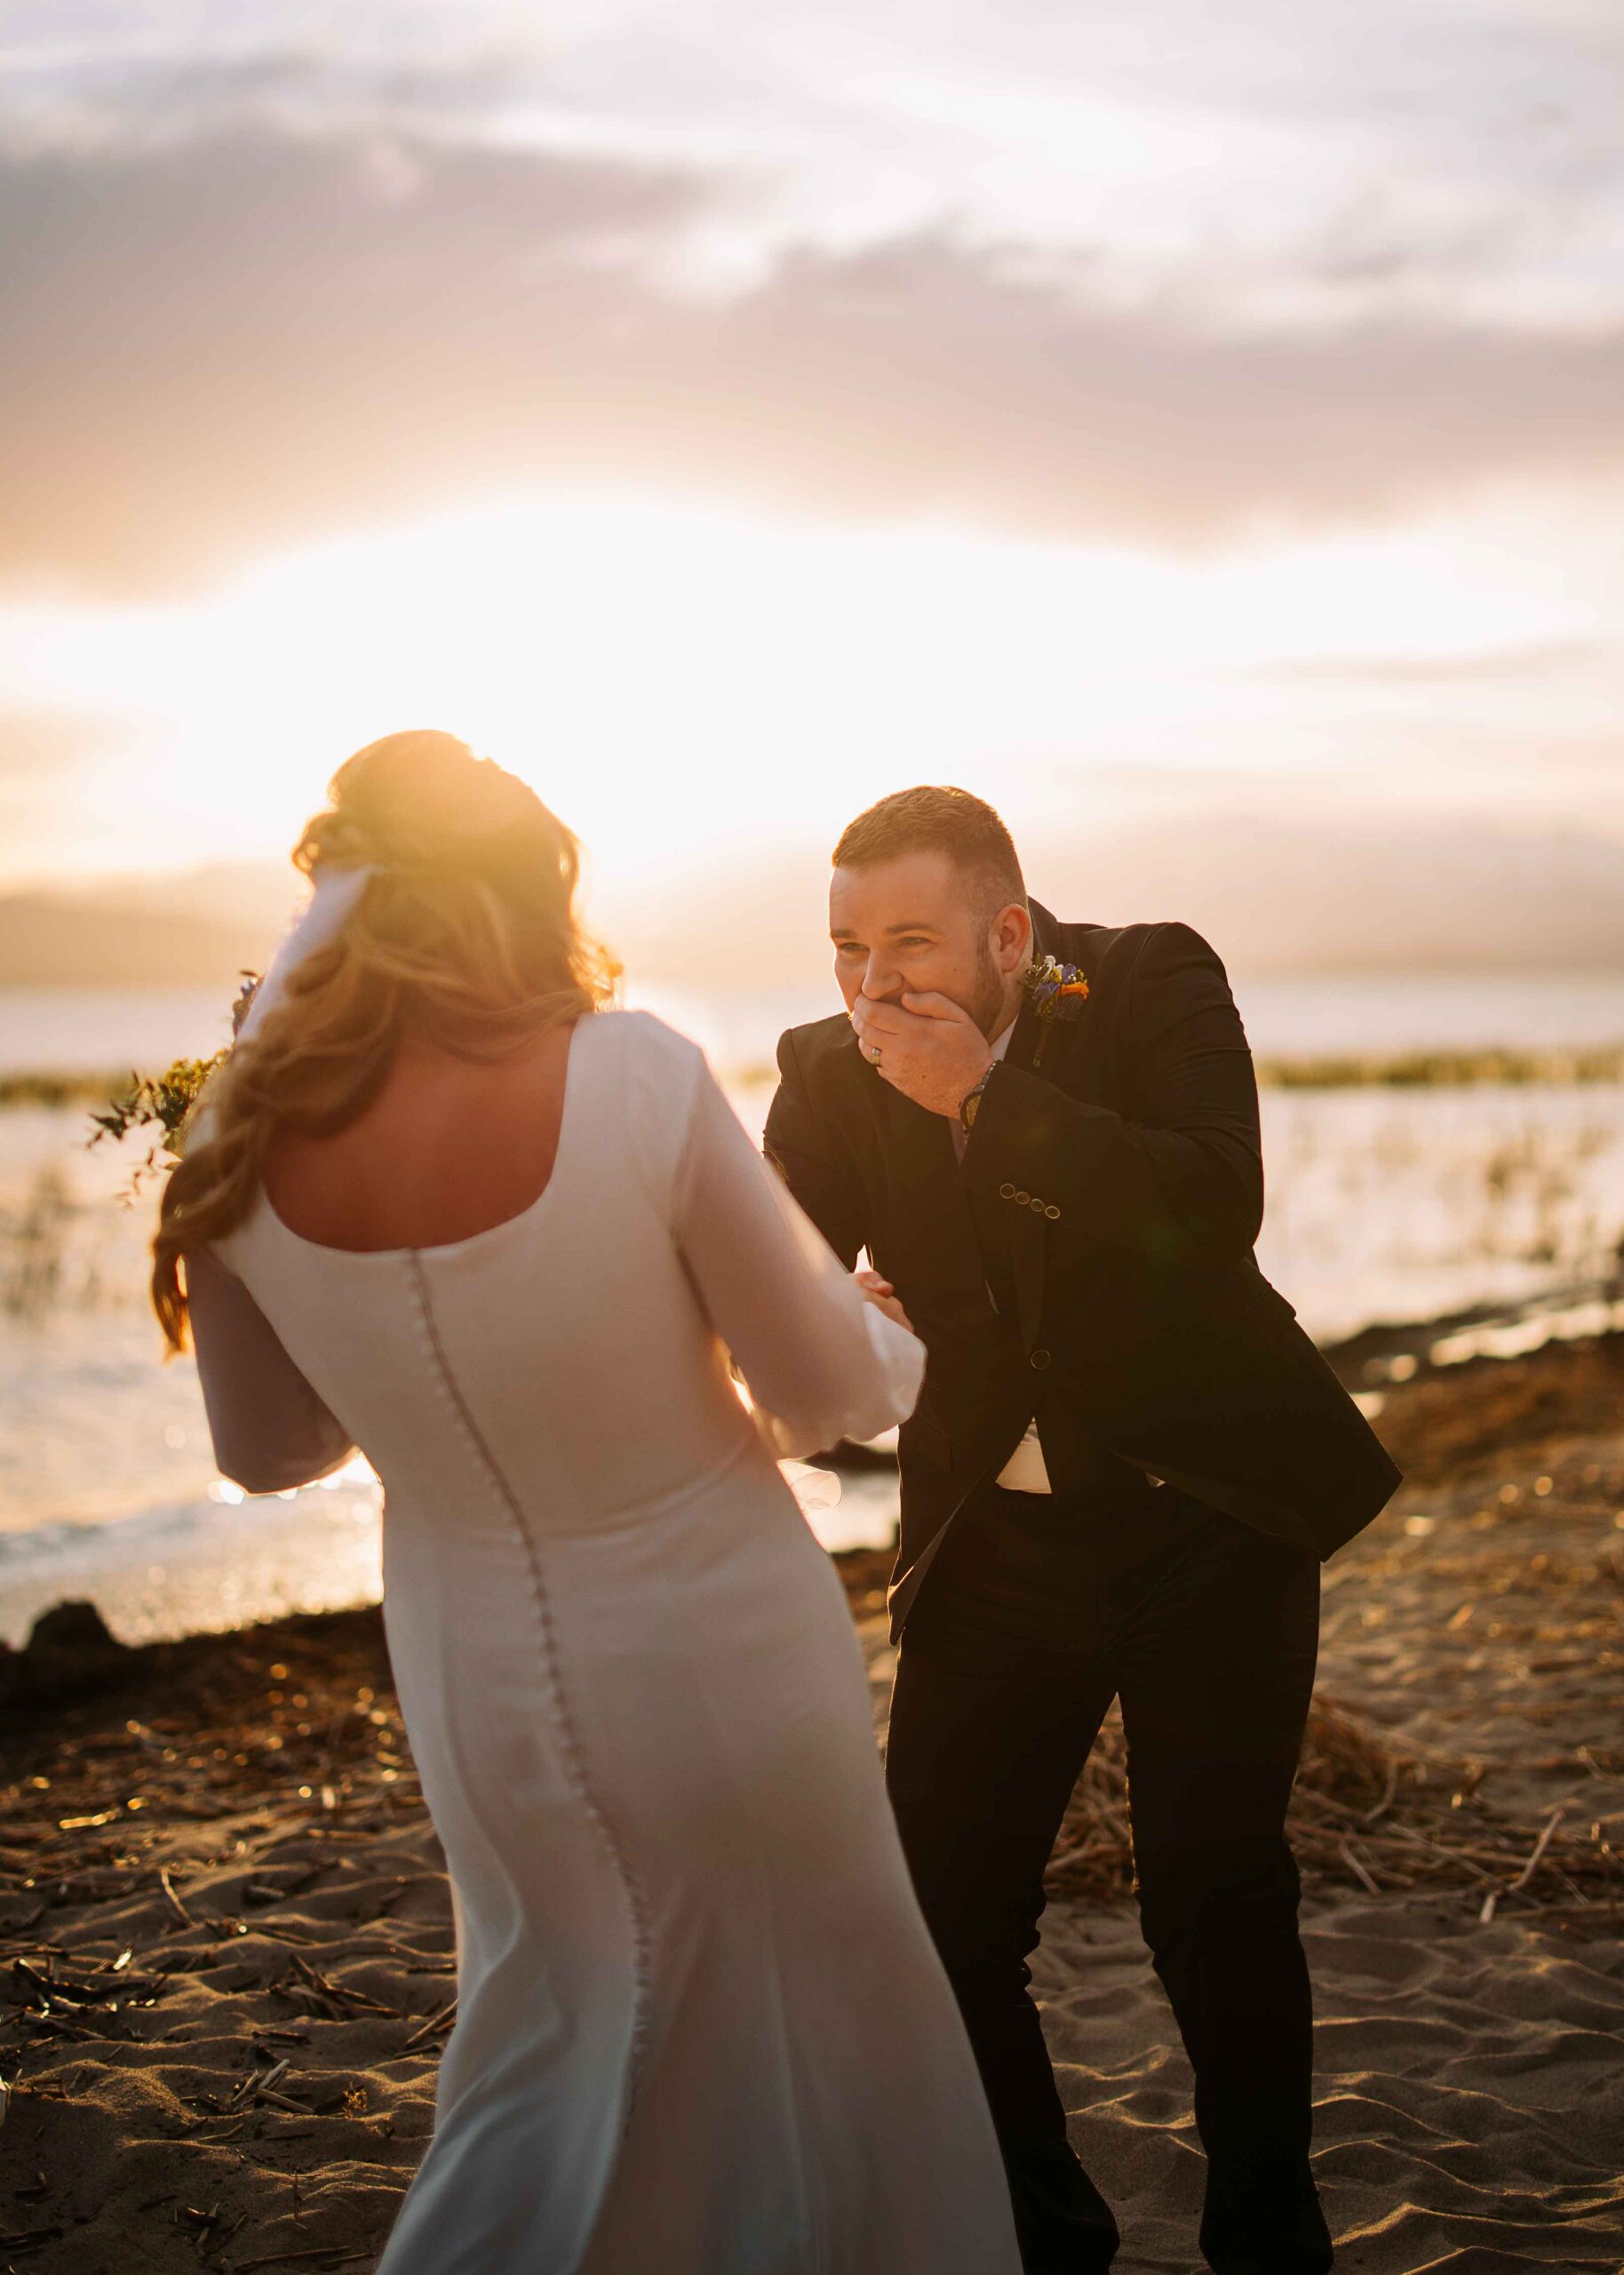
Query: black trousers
[1038, 1612]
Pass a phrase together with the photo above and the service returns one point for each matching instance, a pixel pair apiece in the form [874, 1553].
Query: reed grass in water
[1443, 1070]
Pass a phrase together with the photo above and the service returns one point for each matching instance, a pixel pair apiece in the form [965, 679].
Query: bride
[441, 1204]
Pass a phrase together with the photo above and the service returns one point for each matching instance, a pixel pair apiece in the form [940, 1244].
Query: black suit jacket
[1090, 1261]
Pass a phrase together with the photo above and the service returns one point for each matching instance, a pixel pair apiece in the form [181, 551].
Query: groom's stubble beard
[987, 1010]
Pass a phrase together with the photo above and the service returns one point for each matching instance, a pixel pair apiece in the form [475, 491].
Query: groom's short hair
[932, 819]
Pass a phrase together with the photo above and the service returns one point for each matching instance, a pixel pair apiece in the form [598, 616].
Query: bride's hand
[882, 1295]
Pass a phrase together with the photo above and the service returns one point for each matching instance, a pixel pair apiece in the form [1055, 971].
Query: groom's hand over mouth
[931, 1049]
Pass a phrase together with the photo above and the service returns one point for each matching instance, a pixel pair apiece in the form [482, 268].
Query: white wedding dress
[701, 2026]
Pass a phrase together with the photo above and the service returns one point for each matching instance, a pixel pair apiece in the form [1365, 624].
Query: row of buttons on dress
[1028, 1201]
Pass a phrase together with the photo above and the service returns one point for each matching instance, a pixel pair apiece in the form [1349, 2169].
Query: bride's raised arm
[820, 1362]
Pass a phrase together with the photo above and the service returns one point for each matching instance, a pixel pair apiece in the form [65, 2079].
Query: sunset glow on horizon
[668, 673]
[1141, 422]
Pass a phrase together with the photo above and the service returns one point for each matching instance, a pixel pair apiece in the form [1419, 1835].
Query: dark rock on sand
[70, 1653]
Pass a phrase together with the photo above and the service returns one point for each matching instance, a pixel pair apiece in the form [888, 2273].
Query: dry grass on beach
[229, 1968]
[1369, 1813]
[228, 1994]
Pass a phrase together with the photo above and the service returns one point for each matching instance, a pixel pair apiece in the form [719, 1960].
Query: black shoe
[1265, 2227]
[1063, 2225]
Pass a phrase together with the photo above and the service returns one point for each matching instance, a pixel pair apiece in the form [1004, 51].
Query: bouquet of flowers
[161, 1103]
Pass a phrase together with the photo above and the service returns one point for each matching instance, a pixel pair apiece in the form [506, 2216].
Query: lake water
[1383, 1205]
[101, 1029]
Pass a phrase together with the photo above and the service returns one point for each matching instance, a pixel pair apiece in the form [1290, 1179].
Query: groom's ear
[1012, 937]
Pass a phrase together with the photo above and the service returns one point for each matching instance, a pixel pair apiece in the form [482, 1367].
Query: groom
[1125, 1464]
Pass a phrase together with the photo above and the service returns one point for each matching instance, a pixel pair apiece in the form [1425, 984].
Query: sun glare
[673, 677]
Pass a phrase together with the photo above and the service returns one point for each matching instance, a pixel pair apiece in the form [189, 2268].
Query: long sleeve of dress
[269, 1428]
[820, 1362]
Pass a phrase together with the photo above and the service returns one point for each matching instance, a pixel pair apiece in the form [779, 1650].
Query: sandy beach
[230, 1966]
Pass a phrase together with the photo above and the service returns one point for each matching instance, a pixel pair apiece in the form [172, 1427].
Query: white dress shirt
[1025, 1471]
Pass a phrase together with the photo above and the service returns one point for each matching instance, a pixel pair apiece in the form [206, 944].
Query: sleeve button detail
[1023, 1200]
[1038, 1206]
[1040, 1360]
[1052, 1212]
[1006, 1193]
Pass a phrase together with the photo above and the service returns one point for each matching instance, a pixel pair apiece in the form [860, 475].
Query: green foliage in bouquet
[160, 1103]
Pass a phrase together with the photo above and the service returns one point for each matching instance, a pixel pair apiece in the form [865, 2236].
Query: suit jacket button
[1038, 1206]
[1023, 1200]
[1040, 1360]
[1006, 1193]
[1052, 1212]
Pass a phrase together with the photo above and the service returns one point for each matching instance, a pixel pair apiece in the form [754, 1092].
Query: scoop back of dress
[701, 2027]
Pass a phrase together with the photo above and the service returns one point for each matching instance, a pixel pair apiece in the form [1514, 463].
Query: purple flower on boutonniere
[1055, 991]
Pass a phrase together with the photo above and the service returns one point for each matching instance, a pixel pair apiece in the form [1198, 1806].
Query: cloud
[1535, 660]
[41, 745]
[48, 758]
[150, 93]
[222, 343]
[1427, 892]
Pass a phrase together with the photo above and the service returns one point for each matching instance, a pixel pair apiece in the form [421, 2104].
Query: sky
[1155, 419]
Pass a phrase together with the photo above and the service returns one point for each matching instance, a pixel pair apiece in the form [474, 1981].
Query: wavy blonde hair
[466, 935]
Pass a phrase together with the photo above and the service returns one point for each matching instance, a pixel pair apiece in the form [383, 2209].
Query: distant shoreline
[54, 1088]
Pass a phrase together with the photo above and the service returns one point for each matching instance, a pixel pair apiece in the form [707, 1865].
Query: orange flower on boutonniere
[1055, 991]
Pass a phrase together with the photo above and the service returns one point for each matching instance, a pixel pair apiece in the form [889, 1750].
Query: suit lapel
[1066, 1052]
[920, 1141]
[1042, 1042]
[1032, 1040]
[928, 1208]
[1024, 1037]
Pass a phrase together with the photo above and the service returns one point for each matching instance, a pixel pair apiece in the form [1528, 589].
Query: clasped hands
[925, 1046]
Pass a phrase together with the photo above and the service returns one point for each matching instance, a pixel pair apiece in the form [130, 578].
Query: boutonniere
[1055, 991]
